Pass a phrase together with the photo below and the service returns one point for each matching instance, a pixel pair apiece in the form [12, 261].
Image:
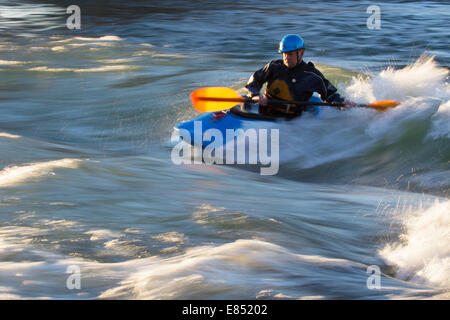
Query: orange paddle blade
[215, 99]
[383, 105]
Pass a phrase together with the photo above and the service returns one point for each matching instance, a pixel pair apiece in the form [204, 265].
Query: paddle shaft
[274, 102]
[213, 99]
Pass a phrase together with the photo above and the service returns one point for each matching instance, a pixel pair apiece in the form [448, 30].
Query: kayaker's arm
[331, 95]
[257, 80]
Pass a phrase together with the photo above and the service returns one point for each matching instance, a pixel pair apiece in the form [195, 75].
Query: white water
[14, 175]
[422, 90]
[422, 252]
[140, 227]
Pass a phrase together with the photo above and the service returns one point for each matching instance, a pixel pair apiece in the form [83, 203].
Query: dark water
[87, 178]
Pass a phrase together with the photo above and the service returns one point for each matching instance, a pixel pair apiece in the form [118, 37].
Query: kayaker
[290, 78]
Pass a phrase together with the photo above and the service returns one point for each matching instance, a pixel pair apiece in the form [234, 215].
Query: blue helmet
[291, 42]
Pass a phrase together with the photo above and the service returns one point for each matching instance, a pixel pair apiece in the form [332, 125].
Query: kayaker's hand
[261, 100]
[349, 104]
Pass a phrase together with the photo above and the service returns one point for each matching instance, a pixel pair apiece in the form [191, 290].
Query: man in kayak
[290, 79]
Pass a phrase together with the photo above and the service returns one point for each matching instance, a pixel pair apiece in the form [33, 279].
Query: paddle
[212, 99]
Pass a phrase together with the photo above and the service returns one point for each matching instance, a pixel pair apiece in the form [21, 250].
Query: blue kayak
[234, 118]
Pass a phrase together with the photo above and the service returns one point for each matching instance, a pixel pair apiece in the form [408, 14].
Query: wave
[9, 135]
[423, 78]
[119, 60]
[102, 38]
[85, 70]
[404, 148]
[15, 175]
[407, 147]
[422, 252]
[12, 62]
[244, 268]
[199, 271]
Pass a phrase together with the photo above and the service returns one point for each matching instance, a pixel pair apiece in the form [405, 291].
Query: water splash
[15, 175]
[377, 148]
[423, 78]
[422, 252]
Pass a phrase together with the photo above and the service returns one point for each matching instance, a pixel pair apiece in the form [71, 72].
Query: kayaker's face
[290, 59]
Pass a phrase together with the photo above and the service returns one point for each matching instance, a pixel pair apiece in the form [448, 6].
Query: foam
[12, 62]
[422, 251]
[86, 70]
[58, 224]
[156, 54]
[421, 79]
[103, 234]
[103, 38]
[12, 176]
[199, 270]
[422, 91]
[440, 124]
[59, 49]
[101, 44]
[243, 268]
[171, 237]
[123, 248]
[118, 60]
[8, 135]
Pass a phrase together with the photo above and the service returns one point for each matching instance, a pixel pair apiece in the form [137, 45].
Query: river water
[358, 210]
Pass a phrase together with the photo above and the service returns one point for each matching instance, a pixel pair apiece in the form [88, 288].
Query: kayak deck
[233, 118]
